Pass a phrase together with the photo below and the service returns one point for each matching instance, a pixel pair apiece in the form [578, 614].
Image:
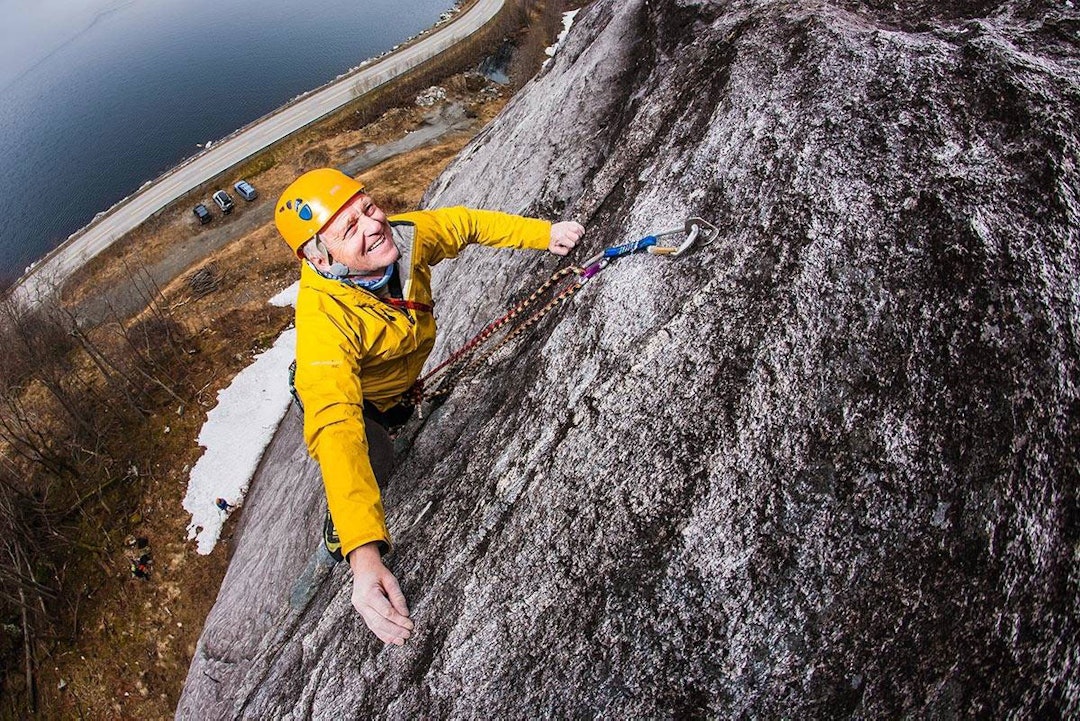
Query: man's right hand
[377, 596]
[564, 236]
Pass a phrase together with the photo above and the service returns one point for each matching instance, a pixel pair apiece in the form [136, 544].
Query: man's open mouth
[375, 246]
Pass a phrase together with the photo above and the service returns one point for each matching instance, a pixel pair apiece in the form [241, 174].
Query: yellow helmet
[310, 202]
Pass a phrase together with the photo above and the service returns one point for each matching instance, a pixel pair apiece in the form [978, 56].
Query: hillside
[824, 466]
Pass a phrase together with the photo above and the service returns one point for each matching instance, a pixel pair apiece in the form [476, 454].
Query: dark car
[202, 213]
[246, 190]
[223, 201]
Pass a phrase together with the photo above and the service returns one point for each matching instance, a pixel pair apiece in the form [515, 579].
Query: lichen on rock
[824, 466]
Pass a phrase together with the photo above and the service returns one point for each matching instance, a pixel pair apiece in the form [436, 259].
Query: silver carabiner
[694, 228]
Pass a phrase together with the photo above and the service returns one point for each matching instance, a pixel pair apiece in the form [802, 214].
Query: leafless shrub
[73, 404]
[312, 159]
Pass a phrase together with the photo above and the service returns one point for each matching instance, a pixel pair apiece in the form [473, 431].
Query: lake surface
[98, 97]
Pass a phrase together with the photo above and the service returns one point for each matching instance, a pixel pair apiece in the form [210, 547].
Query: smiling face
[359, 236]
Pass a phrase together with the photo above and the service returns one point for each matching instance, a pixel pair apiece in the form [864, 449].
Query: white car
[223, 201]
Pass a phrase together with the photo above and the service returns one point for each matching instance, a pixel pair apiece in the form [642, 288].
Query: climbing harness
[412, 396]
[438, 382]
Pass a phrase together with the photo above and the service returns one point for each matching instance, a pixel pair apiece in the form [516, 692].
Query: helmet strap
[341, 272]
[338, 270]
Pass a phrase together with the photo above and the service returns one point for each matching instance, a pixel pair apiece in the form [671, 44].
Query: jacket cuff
[355, 543]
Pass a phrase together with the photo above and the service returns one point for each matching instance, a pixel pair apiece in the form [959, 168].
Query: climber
[364, 329]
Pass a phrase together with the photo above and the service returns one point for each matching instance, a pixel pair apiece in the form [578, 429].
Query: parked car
[224, 201]
[202, 213]
[246, 190]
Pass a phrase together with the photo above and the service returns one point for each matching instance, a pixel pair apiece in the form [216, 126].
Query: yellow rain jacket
[352, 346]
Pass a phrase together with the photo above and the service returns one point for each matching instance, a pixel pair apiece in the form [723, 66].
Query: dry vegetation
[98, 419]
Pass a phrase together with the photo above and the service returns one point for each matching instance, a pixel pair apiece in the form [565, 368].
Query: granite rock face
[824, 466]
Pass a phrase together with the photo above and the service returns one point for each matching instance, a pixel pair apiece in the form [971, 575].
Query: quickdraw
[440, 380]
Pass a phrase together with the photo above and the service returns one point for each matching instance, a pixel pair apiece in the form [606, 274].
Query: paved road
[127, 298]
[130, 213]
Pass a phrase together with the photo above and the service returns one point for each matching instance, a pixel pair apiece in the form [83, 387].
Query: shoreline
[46, 274]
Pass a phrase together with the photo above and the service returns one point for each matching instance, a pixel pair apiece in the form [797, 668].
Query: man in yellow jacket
[364, 330]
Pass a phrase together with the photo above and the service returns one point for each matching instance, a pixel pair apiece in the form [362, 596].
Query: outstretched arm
[377, 596]
[446, 231]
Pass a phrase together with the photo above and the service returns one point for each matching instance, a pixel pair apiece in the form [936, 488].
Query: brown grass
[136, 638]
[131, 641]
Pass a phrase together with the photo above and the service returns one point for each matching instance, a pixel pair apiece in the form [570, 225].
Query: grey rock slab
[269, 551]
[824, 466]
[277, 569]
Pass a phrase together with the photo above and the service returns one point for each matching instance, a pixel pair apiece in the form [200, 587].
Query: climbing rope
[438, 382]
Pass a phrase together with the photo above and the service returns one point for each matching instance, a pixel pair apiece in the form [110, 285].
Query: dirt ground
[157, 252]
[135, 638]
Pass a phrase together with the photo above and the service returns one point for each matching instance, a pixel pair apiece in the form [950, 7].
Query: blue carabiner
[631, 247]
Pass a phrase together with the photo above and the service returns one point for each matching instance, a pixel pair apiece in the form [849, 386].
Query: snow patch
[235, 435]
[567, 23]
[287, 296]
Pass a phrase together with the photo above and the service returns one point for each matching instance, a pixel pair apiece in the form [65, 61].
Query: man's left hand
[377, 596]
[564, 236]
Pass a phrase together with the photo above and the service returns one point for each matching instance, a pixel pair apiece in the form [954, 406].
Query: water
[99, 96]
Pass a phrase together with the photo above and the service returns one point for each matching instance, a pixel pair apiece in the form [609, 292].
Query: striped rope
[529, 322]
[440, 380]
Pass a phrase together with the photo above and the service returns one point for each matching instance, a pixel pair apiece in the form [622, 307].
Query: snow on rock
[431, 96]
[286, 297]
[567, 23]
[235, 434]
